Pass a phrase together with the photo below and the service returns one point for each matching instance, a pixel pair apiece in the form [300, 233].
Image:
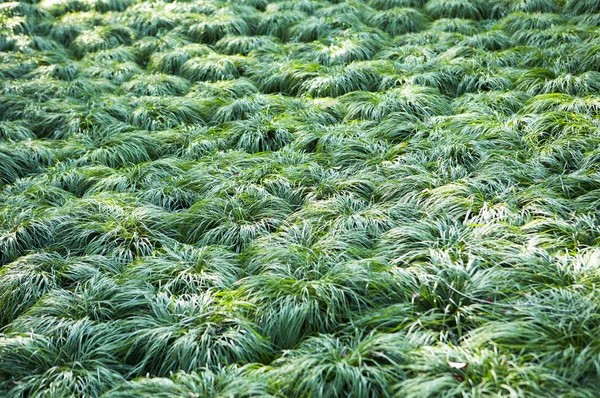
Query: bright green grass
[309, 198]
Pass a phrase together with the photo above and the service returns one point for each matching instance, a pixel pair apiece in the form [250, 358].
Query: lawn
[306, 198]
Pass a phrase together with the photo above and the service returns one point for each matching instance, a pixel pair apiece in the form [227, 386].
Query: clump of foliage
[303, 198]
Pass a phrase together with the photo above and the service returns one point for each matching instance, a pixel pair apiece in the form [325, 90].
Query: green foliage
[519, 22]
[24, 229]
[80, 361]
[328, 366]
[110, 5]
[171, 61]
[303, 198]
[583, 6]
[119, 149]
[233, 222]
[243, 45]
[13, 165]
[158, 113]
[397, 21]
[25, 281]
[259, 134]
[214, 27]
[336, 81]
[211, 68]
[294, 302]
[186, 269]
[192, 331]
[535, 5]
[387, 4]
[156, 85]
[277, 23]
[101, 38]
[416, 100]
[468, 9]
[105, 226]
[229, 381]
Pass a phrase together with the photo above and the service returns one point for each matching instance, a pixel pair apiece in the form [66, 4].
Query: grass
[305, 198]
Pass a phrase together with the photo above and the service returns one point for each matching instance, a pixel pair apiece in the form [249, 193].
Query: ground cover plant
[306, 198]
